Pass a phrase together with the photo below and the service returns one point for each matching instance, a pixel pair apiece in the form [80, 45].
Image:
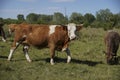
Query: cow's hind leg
[68, 55]
[25, 50]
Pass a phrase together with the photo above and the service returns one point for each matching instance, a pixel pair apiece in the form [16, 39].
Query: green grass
[88, 61]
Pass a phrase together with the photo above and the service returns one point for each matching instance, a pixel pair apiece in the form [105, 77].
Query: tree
[1, 21]
[44, 19]
[88, 19]
[103, 15]
[104, 19]
[116, 20]
[32, 18]
[20, 18]
[10, 21]
[58, 18]
[76, 18]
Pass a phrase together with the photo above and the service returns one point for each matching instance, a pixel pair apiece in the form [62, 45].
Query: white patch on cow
[27, 57]
[71, 30]
[17, 43]
[52, 29]
[26, 54]
[52, 61]
[68, 59]
[68, 55]
[10, 55]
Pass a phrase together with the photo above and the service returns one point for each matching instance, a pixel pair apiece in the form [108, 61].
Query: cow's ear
[79, 27]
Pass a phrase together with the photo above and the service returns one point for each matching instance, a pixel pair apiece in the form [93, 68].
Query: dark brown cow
[2, 33]
[55, 37]
[112, 41]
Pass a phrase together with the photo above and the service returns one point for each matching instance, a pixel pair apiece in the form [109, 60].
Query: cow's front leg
[25, 50]
[11, 53]
[68, 55]
[52, 53]
[13, 48]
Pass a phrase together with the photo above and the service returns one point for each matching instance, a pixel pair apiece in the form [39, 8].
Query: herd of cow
[55, 37]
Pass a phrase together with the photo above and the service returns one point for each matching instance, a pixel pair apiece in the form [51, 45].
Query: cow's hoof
[52, 63]
[29, 61]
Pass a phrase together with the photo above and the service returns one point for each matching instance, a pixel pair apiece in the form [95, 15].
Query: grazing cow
[2, 33]
[112, 41]
[55, 37]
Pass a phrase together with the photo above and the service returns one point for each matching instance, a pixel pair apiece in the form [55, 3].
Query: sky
[11, 8]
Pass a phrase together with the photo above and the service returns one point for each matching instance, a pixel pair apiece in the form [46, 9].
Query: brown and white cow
[2, 33]
[55, 37]
[112, 41]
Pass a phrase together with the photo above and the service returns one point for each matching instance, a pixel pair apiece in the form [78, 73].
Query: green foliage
[20, 18]
[116, 20]
[103, 15]
[76, 18]
[88, 19]
[10, 21]
[44, 19]
[32, 18]
[1, 21]
[58, 18]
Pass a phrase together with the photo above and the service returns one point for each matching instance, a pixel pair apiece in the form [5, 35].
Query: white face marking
[52, 29]
[71, 30]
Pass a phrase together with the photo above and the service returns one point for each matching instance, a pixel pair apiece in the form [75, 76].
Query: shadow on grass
[87, 62]
[59, 60]
[4, 57]
[64, 60]
[2, 46]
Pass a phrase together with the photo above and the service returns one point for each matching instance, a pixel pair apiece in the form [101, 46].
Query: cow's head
[72, 29]
[111, 58]
[12, 28]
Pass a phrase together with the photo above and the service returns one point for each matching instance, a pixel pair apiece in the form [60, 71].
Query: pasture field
[88, 61]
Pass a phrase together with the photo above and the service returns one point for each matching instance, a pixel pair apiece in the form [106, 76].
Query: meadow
[88, 61]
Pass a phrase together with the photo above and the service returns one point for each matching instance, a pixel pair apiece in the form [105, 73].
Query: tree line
[103, 18]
